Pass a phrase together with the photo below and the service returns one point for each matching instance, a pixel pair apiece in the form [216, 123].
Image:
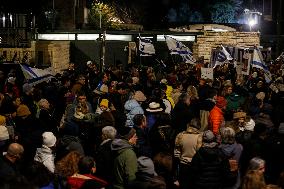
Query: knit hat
[281, 128]
[23, 110]
[27, 88]
[126, 132]
[221, 102]
[249, 126]
[238, 115]
[11, 80]
[48, 139]
[104, 103]
[2, 120]
[146, 165]
[4, 134]
[139, 96]
[260, 95]
[154, 107]
[208, 137]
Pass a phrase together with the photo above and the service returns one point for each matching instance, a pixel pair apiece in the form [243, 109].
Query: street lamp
[253, 18]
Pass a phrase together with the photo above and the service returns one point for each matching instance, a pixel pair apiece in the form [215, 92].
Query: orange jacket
[216, 118]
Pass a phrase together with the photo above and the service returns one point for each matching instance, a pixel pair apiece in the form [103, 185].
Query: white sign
[207, 73]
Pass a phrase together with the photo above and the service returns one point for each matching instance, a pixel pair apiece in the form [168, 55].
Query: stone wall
[209, 40]
[43, 54]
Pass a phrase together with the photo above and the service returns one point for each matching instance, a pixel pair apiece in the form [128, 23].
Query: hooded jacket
[46, 157]
[125, 163]
[133, 108]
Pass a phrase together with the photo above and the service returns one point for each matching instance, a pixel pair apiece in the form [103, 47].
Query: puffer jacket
[46, 157]
[210, 168]
[133, 108]
[216, 118]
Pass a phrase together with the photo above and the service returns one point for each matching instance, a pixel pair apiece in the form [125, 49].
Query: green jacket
[125, 163]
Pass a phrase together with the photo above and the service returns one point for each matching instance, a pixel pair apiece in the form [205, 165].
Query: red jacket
[216, 118]
[77, 181]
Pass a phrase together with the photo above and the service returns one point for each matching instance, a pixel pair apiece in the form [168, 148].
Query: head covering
[164, 81]
[48, 139]
[146, 165]
[126, 132]
[4, 134]
[208, 137]
[249, 126]
[260, 96]
[139, 96]
[238, 115]
[281, 128]
[23, 110]
[2, 120]
[89, 62]
[27, 88]
[221, 102]
[104, 103]
[154, 107]
[11, 80]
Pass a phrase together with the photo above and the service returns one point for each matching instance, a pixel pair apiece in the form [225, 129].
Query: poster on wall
[207, 73]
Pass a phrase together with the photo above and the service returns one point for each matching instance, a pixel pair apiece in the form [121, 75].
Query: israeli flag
[35, 76]
[223, 56]
[146, 47]
[257, 62]
[176, 47]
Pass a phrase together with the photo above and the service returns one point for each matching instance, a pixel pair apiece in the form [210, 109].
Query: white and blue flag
[146, 47]
[257, 62]
[35, 75]
[223, 56]
[176, 47]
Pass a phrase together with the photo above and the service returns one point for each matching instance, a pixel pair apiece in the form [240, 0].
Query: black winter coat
[210, 169]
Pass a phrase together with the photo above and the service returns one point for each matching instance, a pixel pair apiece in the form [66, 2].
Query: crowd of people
[143, 127]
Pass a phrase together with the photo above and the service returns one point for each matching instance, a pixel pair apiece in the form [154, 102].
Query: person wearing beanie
[45, 154]
[125, 161]
[146, 177]
[216, 115]
[210, 168]
[187, 143]
[133, 107]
